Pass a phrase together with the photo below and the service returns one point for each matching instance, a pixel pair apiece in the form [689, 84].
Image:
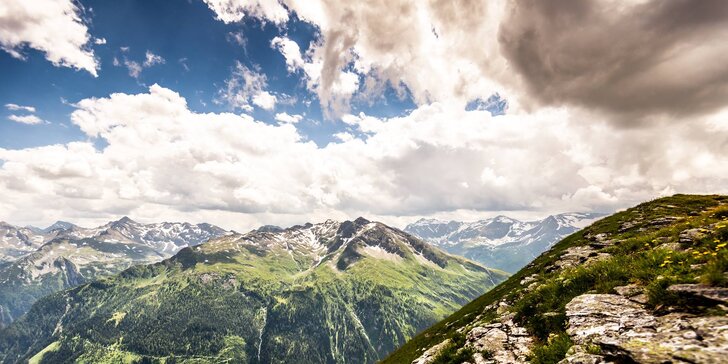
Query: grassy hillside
[655, 245]
[256, 298]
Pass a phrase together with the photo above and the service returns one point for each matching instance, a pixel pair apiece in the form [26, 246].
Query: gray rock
[718, 294]
[507, 342]
[430, 354]
[629, 290]
[578, 255]
[628, 225]
[671, 247]
[690, 236]
[583, 358]
[623, 328]
[663, 221]
[528, 280]
[502, 308]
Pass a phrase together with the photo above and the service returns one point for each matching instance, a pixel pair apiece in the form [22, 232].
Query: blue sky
[252, 112]
[199, 54]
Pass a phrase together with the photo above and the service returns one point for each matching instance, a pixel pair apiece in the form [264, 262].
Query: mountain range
[500, 242]
[333, 292]
[37, 262]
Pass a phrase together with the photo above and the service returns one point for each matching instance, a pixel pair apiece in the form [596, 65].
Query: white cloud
[291, 52]
[16, 107]
[265, 100]
[335, 94]
[99, 41]
[231, 11]
[26, 119]
[53, 27]
[284, 117]
[245, 87]
[152, 59]
[421, 48]
[135, 68]
[344, 136]
[237, 38]
[232, 170]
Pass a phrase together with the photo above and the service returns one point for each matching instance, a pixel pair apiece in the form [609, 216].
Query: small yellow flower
[714, 254]
[721, 245]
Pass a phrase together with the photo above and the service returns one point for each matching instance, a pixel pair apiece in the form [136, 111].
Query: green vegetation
[647, 250]
[455, 353]
[552, 351]
[234, 301]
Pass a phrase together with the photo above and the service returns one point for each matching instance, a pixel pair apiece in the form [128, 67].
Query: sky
[249, 112]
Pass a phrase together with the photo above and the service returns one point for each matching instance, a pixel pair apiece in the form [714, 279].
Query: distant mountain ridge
[16, 241]
[332, 292]
[500, 242]
[42, 261]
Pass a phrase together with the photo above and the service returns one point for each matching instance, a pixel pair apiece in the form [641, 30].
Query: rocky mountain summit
[16, 242]
[500, 242]
[646, 285]
[333, 292]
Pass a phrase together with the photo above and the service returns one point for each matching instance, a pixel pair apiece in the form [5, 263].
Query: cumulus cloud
[634, 61]
[231, 11]
[239, 172]
[423, 49]
[284, 117]
[334, 93]
[53, 27]
[245, 87]
[25, 119]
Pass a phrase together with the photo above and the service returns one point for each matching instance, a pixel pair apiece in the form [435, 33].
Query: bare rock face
[579, 255]
[718, 294]
[626, 331]
[583, 358]
[633, 292]
[506, 341]
[429, 356]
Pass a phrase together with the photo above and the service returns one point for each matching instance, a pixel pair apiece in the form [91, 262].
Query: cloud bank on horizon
[608, 103]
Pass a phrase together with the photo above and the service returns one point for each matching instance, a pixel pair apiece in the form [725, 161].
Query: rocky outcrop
[625, 330]
[505, 341]
[718, 294]
[579, 255]
[431, 353]
[498, 342]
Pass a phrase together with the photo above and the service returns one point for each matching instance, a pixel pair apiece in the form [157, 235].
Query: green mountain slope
[328, 293]
[70, 255]
[62, 264]
[645, 285]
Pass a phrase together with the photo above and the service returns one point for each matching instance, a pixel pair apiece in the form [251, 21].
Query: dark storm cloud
[634, 59]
